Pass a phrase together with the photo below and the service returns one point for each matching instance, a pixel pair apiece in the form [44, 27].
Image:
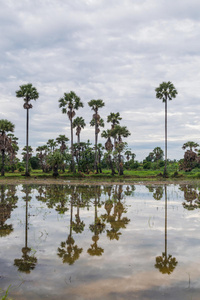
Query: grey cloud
[119, 51]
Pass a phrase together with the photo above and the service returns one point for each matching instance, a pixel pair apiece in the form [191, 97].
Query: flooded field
[100, 242]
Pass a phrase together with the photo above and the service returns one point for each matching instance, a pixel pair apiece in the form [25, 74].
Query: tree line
[83, 156]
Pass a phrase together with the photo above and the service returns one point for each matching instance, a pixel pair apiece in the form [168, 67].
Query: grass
[138, 174]
[5, 297]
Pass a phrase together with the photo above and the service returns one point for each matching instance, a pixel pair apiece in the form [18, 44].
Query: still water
[100, 242]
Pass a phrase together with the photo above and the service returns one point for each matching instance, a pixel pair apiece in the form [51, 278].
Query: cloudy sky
[114, 50]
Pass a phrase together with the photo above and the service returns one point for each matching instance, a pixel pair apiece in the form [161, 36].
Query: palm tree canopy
[190, 145]
[106, 133]
[96, 104]
[28, 92]
[79, 122]
[70, 101]
[62, 139]
[6, 126]
[114, 118]
[120, 131]
[166, 90]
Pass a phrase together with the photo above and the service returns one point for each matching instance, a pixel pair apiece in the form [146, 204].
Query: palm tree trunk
[72, 149]
[165, 169]
[3, 163]
[27, 154]
[96, 141]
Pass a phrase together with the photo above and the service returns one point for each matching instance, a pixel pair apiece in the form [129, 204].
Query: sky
[117, 51]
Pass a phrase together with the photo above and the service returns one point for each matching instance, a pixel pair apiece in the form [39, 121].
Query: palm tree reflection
[98, 226]
[116, 220]
[67, 250]
[166, 263]
[191, 197]
[28, 260]
[8, 200]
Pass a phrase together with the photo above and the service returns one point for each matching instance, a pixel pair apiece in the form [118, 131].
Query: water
[100, 242]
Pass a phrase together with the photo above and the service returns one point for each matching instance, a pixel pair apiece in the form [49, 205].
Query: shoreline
[59, 181]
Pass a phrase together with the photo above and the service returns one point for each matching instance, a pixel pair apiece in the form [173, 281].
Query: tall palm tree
[5, 141]
[69, 103]
[97, 121]
[78, 123]
[28, 93]
[166, 91]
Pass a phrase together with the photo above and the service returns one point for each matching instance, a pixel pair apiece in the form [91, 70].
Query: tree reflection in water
[116, 221]
[166, 263]
[157, 191]
[8, 200]
[27, 262]
[191, 197]
[67, 250]
[98, 226]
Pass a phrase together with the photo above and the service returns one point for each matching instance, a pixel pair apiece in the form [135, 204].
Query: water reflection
[8, 200]
[68, 251]
[191, 197]
[101, 238]
[157, 191]
[117, 208]
[97, 227]
[166, 263]
[28, 260]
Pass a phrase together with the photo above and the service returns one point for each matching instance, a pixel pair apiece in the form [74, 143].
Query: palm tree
[166, 91]
[51, 144]
[69, 103]
[117, 133]
[78, 123]
[96, 121]
[5, 141]
[62, 139]
[12, 154]
[28, 93]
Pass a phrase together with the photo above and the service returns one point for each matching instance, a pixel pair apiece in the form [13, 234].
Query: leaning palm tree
[96, 121]
[28, 93]
[69, 103]
[166, 91]
[5, 141]
[78, 123]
